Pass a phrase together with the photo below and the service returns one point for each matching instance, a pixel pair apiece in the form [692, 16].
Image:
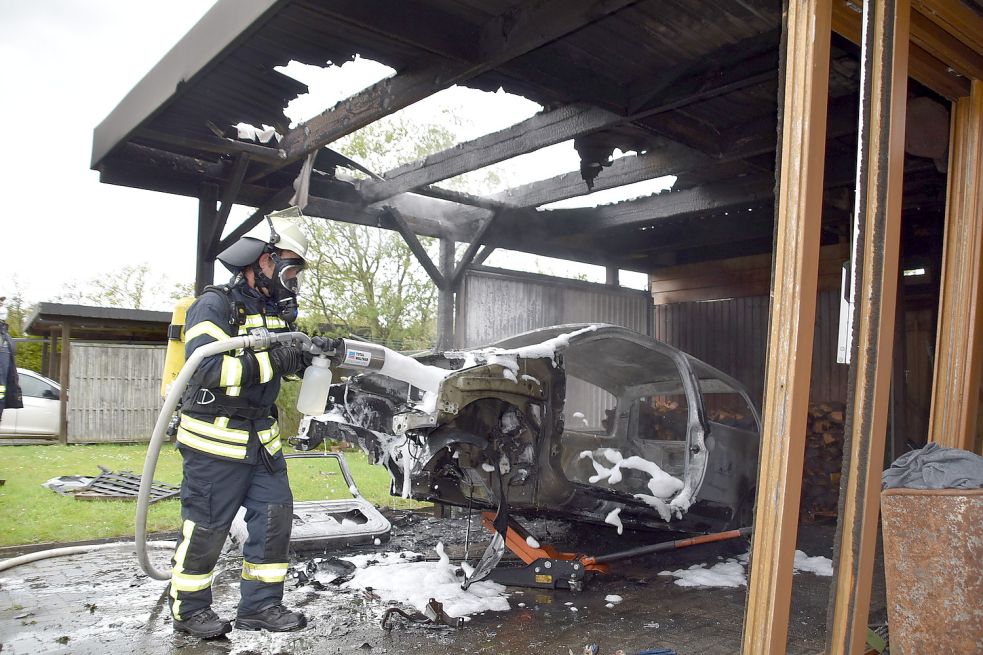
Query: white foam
[818, 565]
[415, 583]
[725, 574]
[615, 520]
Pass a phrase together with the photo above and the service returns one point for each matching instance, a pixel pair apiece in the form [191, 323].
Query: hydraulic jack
[548, 568]
[545, 567]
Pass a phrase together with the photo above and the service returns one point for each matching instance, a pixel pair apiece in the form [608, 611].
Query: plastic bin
[933, 566]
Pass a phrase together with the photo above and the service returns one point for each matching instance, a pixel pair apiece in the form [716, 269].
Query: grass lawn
[30, 513]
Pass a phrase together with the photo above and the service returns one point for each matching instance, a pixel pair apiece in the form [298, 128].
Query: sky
[66, 64]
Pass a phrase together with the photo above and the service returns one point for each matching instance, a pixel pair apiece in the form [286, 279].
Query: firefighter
[10, 395]
[229, 438]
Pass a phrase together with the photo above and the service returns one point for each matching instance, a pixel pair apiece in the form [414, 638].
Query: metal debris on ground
[433, 614]
[68, 484]
[123, 486]
[319, 572]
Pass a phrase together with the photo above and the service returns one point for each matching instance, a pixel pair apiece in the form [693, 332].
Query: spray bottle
[313, 397]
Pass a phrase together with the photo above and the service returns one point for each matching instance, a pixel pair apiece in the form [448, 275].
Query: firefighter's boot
[276, 618]
[205, 625]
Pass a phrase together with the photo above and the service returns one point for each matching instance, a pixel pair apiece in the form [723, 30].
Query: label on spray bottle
[356, 357]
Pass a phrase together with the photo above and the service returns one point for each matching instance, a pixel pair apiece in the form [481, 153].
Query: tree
[366, 280]
[130, 287]
[18, 312]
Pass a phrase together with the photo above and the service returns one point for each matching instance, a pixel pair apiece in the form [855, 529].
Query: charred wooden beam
[680, 203]
[461, 198]
[230, 193]
[551, 127]
[416, 247]
[207, 219]
[543, 129]
[420, 25]
[277, 201]
[503, 38]
[469, 254]
[217, 145]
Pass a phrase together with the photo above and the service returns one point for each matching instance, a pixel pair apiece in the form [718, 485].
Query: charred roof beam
[504, 37]
[551, 127]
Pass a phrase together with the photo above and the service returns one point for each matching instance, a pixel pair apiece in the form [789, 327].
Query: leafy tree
[131, 287]
[18, 311]
[363, 279]
[366, 280]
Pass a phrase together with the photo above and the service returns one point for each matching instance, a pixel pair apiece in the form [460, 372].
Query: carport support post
[53, 360]
[805, 63]
[884, 66]
[63, 376]
[959, 346]
[207, 219]
[445, 297]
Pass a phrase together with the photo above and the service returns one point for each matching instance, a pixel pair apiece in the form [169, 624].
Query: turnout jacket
[228, 410]
[10, 396]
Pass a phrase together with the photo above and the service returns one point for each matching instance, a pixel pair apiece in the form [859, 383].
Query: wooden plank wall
[115, 392]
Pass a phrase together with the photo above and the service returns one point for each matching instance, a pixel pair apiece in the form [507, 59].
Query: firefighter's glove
[287, 360]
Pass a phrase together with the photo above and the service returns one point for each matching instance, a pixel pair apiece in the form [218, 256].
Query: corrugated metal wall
[114, 392]
[732, 335]
[494, 304]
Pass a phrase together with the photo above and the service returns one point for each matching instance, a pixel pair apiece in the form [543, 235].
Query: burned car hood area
[593, 423]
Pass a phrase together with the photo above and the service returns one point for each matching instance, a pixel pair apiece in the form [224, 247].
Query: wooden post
[876, 252]
[445, 297]
[806, 42]
[959, 344]
[52, 371]
[46, 357]
[64, 371]
[611, 276]
[207, 222]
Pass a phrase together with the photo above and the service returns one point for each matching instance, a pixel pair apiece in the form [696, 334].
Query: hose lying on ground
[75, 550]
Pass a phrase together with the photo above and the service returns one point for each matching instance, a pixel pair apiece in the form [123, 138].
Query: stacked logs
[823, 461]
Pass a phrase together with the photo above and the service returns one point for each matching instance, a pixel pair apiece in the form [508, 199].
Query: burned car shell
[565, 422]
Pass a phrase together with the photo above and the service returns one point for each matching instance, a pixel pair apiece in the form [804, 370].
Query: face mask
[284, 285]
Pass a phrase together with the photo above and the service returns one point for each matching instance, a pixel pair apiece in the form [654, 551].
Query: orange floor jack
[548, 568]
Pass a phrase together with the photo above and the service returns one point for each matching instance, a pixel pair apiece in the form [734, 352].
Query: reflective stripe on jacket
[229, 401]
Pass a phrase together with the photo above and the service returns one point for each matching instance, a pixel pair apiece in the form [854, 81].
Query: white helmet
[280, 230]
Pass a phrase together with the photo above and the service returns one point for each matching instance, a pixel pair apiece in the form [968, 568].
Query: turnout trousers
[212, 491]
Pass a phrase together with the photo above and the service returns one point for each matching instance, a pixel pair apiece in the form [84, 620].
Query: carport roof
[99, 323]
[690, 84]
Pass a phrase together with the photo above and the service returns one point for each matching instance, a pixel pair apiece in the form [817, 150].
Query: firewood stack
[823, 461]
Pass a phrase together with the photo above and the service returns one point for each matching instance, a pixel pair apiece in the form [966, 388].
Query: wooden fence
[114, 392]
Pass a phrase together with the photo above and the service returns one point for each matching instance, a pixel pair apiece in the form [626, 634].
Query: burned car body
[593, 423]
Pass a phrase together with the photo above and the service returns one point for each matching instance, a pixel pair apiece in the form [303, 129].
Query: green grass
[30, 513]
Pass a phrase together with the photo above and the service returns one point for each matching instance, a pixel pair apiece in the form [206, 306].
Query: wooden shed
[803, 135]
[108, 361]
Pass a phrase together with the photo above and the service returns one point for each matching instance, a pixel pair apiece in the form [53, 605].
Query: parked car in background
[39, 416]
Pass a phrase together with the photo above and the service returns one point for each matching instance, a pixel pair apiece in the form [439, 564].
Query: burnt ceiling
[692, 86]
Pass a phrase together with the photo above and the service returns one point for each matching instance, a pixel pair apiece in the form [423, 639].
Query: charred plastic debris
[593, 424]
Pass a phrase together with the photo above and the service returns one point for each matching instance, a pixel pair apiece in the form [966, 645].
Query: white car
[39, 416]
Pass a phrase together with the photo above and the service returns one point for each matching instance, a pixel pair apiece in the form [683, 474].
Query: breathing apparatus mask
[284, 284]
